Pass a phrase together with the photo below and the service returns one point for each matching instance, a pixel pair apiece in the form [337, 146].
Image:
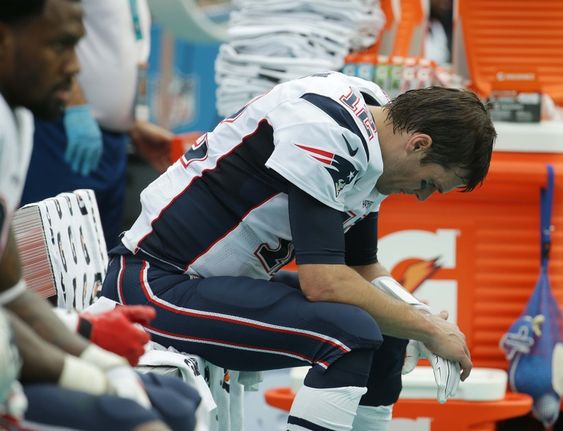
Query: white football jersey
[16, 143]
[222, 208]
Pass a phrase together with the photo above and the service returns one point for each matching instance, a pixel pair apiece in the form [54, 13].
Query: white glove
[122, 379]
[446, 372]
[127, 384]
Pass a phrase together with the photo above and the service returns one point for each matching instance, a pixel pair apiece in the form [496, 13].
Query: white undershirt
[109, 55]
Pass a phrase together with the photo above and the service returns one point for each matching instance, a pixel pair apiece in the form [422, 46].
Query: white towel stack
[272, 41]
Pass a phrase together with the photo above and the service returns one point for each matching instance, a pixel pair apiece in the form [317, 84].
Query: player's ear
[418, 142]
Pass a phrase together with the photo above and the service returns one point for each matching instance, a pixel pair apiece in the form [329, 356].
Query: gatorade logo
[417, 273]
[416, 257]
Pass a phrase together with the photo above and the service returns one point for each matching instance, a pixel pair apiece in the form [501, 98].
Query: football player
[68, 381]
[301, 171]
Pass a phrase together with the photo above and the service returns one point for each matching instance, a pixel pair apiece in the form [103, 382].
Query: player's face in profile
[414, 178]
[39, 59]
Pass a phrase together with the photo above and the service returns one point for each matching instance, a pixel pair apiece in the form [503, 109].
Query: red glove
[115, 330]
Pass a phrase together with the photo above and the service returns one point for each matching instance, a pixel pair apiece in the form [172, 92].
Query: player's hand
[413, 354]
[446, 373]
[84, 139]
[153, 143]
[121, 379]
[116, 331]
[449, 342]
[126, 383]
[413, 351]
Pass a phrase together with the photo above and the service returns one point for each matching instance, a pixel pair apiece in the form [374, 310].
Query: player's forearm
[10, 267]
[370, 272]
[339, 283]
[39, 316]
[36, 312]
[394, 317]
[41, 362]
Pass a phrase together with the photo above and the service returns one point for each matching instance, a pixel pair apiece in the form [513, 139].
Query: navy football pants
[245, 324]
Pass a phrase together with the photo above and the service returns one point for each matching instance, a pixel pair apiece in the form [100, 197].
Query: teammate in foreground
[68, 381]
[301, 171]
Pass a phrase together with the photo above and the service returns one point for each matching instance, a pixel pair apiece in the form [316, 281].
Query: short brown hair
[457, 121]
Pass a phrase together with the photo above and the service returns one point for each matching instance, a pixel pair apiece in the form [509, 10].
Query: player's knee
[177, 412]
[367, 328]
[109, 286]
[175, 401]
[351, 369]
[351, 323]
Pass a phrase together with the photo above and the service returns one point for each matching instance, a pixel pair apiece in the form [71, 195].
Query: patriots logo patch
[341, 170]
[197, 152]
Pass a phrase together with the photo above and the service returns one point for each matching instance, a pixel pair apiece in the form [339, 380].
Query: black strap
[84, 328]
[546, 201]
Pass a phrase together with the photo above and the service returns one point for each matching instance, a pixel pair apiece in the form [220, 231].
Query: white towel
[63, 245]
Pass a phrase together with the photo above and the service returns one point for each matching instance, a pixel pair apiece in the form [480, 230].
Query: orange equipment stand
[454, 415]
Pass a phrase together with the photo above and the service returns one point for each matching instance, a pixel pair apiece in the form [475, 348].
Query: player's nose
[424, 194]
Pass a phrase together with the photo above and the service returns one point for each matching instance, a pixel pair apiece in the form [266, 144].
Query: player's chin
[50, 109]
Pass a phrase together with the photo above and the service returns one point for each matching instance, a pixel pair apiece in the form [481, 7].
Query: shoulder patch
[341, 170]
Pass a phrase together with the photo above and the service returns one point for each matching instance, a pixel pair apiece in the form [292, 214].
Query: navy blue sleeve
[318, 236]
[361, 242]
